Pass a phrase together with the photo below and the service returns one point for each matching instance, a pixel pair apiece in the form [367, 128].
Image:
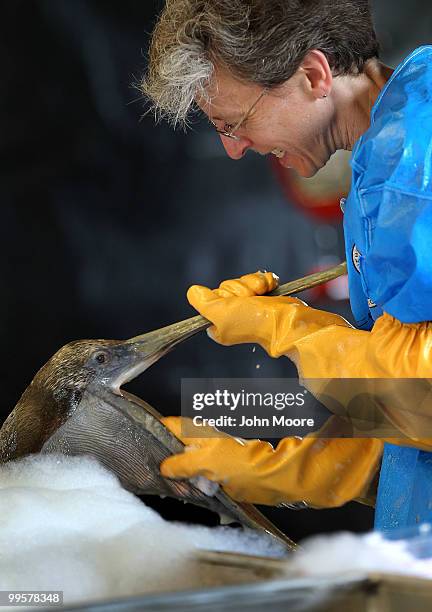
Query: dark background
[107, 218]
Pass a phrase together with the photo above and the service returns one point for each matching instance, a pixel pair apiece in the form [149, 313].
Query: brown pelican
[75, 405]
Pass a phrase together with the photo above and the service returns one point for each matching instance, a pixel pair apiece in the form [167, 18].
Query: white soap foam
[67, 524]
[346, 553]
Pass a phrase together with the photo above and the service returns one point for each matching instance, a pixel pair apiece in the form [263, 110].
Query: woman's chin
[308, 172]
[302, 167]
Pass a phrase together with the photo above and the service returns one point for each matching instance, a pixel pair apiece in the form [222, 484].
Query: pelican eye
[100, 357]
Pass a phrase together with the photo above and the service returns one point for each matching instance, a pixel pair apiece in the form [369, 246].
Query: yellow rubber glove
[241, 314]
[323, 346]
[327, 349]
[322, 472]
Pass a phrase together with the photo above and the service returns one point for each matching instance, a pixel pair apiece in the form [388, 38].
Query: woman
[300, 80]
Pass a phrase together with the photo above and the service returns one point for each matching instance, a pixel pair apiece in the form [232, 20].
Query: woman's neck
[355, 97]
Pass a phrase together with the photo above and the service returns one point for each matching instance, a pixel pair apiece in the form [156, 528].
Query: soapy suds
[347, 553]
[67, 524]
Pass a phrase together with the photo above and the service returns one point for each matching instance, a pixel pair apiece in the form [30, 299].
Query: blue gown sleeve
[396, 196]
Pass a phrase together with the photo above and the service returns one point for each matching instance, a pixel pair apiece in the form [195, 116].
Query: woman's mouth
[282, 157]
[278, 152]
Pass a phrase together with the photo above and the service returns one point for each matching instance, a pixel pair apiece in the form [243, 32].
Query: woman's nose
[236, 148]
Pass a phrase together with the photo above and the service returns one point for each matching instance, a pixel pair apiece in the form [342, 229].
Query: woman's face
[294, 119]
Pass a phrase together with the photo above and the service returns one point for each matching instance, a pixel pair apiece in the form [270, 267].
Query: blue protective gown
[388, 240]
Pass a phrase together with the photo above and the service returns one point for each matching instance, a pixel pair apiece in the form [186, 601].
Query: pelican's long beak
[144, 350]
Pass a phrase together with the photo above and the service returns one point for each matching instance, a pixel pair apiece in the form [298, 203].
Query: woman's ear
[318, 73]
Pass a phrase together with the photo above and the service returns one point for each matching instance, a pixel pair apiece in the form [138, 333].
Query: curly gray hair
[257, 41]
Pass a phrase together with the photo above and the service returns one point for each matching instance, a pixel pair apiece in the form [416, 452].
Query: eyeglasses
[229, 130]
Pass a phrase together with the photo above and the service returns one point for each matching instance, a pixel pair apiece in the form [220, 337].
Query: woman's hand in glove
[323, 472]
